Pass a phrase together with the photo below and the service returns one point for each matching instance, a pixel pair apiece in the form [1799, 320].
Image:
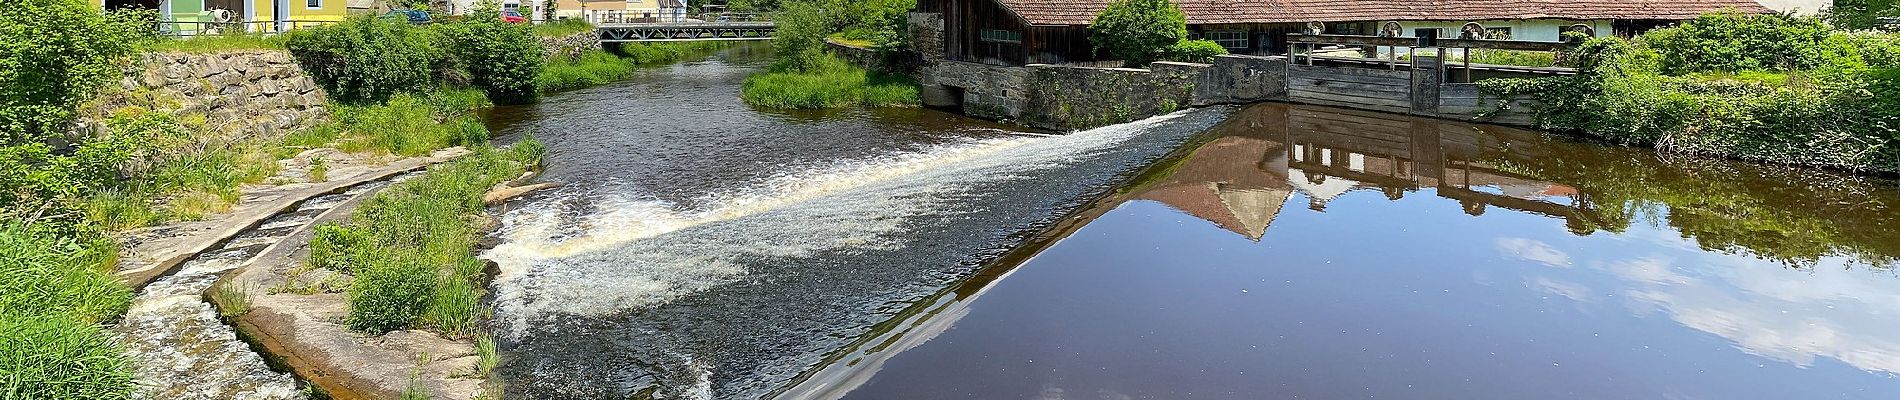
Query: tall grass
[55, 293]
[599, 67]
[829, 82]
[593, 68]
[221, 43]
[409, 124]
[411, 247]
[562, 28]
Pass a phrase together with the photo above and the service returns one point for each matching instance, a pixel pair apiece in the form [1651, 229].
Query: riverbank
[1799, 93]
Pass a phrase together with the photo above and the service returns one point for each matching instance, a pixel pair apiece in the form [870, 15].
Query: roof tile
[1081, 12]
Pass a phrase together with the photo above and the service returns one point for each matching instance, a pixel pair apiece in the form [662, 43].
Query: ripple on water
[179, 347]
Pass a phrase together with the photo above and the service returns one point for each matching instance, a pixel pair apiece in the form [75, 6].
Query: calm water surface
[1306, 252]
[703, 249]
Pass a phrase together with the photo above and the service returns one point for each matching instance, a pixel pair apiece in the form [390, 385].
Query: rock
[503, 194]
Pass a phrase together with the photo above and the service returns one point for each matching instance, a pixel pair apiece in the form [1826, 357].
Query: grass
[859, 43]
[231, 301]
[593, 68]
[220, 43]
[55, 294]
[830, 83]
[1514, 57]
[320, 169]
[408, 125]
[486, 356]
[411, 247]
[562, 28]
[599, 67]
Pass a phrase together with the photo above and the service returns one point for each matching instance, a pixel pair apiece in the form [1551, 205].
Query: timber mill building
[1020, 32]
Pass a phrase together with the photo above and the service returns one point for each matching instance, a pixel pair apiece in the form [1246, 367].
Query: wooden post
[1427, 74]
[1467, 65]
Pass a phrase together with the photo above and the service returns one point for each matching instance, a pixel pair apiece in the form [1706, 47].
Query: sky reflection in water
[1307, 252]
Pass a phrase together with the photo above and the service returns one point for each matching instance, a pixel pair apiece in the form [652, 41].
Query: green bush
[502, 59]
[799, 39]
[1730, 41]
[1821, 102]
[411, 247]
[366, 59]
[1138, 31]
[53, 55]
[56, 358]
[1195, 51]
[563, 28]
[829, 82]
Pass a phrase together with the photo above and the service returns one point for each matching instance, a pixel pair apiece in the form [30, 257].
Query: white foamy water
[636, 252]
[180, 349]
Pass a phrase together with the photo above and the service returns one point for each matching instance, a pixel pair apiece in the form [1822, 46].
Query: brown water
[1307, 252]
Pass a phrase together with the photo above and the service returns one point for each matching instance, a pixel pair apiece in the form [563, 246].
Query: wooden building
[1018, 32]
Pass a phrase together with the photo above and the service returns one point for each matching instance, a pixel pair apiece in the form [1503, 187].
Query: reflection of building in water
[1241, 179]
[1237, 182]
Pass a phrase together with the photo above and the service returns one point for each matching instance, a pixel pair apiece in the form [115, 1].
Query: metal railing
[207, 28]
[1311, 44]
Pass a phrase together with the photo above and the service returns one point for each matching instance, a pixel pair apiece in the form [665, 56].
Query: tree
[1138, 31]
[53, 55]
[1861, 14]
[502, 58]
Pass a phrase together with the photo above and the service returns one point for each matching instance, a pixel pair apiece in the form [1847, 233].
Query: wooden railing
[1310, 44]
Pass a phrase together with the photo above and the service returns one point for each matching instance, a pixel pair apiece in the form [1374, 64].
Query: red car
[513, 17]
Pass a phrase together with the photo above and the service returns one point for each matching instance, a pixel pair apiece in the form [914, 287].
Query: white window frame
[1228, 39]
[307, 4]
[1001, 36]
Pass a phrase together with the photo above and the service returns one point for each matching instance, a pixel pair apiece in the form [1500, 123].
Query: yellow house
[281, 15]
[622, 11]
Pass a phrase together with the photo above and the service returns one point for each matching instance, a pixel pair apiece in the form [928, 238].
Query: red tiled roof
[1081, 12]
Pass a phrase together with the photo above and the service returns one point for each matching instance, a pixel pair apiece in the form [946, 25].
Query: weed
[486, 355]
[232, 301]
[220, 43]
[319, 169]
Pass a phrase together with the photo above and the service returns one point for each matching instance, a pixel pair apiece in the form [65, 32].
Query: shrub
[366, 59]
[1195, 51]
[1730, 41]
[1138, 31]
[53, 55]
[502, 59]
[799, 39]
[412, 125]
[411, 247]
[1822, 104]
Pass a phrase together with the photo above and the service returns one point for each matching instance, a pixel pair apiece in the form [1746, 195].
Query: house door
[280, 13]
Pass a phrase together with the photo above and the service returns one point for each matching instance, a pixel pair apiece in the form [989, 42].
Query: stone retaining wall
[1069, 98]
[237, 95]
[570, 46]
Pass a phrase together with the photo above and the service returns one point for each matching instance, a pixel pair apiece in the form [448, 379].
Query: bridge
[685, 31]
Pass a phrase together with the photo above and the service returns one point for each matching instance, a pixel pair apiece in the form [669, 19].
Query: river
[704, 249]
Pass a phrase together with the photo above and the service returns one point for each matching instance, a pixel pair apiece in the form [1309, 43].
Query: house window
[1002, 36]
[1229, 39]
[313, 4]
[1497, 33]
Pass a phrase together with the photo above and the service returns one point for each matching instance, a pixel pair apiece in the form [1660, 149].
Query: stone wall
[926, 35]
[570, 46]
[236, 95]
[1070, 98]
[862, 57]
[983, 91]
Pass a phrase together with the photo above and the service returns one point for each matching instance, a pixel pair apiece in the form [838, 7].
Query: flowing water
[704, 249]
[178, 345]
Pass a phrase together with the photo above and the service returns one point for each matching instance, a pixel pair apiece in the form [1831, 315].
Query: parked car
[513, 17]
[413, 16]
